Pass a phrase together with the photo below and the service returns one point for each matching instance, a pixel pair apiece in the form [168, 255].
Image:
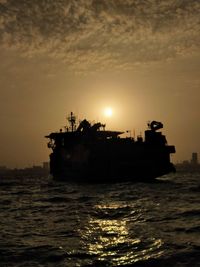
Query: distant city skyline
[44, 165]
[193, 158]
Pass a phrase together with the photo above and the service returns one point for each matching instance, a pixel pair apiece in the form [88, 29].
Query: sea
[49, 223]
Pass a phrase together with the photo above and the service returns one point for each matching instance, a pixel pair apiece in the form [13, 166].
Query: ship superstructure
[88, 152]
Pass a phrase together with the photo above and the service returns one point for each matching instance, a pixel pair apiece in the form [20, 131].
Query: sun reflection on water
[109, 239]
[107, 235]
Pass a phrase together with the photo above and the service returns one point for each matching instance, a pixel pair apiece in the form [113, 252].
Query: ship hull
[119, 172]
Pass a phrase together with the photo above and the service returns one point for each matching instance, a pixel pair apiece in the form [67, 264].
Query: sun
[108, 112]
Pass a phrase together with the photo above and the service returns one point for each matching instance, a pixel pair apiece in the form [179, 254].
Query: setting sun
[108, 112]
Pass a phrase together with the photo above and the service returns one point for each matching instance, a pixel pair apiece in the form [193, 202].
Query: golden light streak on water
[106, 239]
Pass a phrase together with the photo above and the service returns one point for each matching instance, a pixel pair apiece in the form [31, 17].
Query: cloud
[99, 34]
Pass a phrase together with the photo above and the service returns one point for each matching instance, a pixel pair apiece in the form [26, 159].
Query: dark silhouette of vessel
[89, 153]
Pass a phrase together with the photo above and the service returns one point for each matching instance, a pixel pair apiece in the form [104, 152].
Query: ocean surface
[48, 223]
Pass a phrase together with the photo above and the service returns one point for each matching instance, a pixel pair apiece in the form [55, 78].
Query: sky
[140, 57]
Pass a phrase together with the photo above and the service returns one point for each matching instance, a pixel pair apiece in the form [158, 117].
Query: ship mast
[72, 121]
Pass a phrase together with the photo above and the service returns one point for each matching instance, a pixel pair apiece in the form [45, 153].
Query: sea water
[48, 223]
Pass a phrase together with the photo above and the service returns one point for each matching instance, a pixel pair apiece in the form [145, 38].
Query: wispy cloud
[95, 34]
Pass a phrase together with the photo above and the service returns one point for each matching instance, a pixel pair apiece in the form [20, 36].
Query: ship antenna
[72, 121]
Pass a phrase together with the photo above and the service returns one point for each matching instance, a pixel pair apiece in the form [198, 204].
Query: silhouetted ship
[89, 153]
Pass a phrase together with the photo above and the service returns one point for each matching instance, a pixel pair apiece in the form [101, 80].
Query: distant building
[191, 165]
[185, 162]
[2, 168]
[194, 160]
[45, 165]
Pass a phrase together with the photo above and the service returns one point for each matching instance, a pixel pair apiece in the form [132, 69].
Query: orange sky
[140, 58]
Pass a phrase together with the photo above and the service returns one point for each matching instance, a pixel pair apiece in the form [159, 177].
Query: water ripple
[45, 223]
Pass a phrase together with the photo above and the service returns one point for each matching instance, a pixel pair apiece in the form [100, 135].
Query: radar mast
[72, 121]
